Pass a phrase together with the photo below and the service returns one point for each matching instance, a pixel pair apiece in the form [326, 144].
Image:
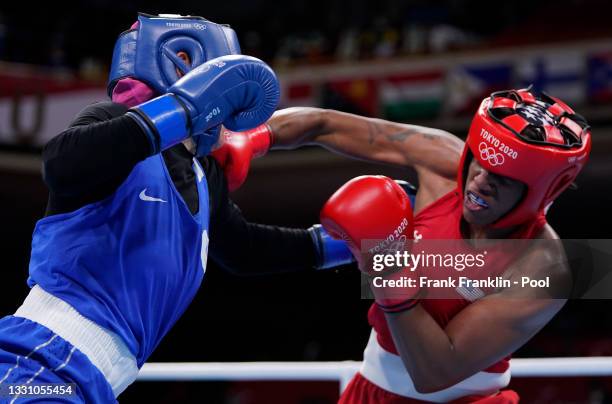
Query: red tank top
[441, 220]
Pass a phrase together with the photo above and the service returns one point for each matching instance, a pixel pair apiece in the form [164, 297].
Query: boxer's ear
[185, 57]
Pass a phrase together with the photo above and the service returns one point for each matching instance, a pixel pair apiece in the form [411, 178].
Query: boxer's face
[487, 196]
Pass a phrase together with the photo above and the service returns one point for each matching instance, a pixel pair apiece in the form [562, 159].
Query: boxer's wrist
[164, 120]
[393, 292]
[330, 253]
[397, 307]
[261, 139]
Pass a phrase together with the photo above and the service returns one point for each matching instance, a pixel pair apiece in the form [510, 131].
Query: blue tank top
[132, 262]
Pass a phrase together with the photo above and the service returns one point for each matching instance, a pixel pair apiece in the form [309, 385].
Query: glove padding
[239, 91]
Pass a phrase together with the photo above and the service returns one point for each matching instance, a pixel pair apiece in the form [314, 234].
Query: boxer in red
[521, 152]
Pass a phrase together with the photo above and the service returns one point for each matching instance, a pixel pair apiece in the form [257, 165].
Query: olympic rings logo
[490, 155]
[397, 245]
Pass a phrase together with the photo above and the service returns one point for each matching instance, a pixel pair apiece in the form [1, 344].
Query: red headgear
[537, 140]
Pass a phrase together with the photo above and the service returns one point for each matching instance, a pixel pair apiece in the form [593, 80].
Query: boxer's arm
[433, 153]
[246, 248]
[481, 334]
[89, 160]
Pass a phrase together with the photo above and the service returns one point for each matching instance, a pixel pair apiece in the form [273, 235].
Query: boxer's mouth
[474, 202]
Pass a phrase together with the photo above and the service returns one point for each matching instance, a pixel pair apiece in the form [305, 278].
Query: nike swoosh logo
[143, 195]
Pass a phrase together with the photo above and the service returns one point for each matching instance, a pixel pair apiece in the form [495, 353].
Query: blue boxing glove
[240, 92]
[330, 252]
[205, 141]
[410, 190]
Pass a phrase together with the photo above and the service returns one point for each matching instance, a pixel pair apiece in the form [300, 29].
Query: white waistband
[387, 371]
[105, 349]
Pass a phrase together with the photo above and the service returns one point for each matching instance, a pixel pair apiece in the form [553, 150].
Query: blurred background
[409, 60]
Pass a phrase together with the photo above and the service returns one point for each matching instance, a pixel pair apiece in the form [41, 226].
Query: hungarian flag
[411, 96]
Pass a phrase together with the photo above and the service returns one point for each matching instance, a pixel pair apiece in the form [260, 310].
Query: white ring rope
[344, 371]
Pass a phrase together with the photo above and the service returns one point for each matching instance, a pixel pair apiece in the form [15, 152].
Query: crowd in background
[81, 34]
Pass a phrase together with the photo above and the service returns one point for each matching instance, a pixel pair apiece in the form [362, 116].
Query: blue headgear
[148, 53]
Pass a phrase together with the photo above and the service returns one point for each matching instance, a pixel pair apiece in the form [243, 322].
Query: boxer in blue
[135, 205]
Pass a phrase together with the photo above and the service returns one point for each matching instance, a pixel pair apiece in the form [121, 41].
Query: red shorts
[361, 391]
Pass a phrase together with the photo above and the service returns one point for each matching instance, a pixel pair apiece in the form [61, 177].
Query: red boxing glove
[238, 149]
[374, 208]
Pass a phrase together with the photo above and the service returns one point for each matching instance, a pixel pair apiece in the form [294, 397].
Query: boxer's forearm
[438, 358]
[479, 336]
[426, 350]
[245, 248]
[298, 126]
[368, 139]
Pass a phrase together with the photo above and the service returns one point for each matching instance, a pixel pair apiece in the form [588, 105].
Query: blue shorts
[32, 354]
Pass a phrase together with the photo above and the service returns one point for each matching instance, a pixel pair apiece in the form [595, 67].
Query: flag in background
[299, 94]
[354, 95]
[560, 75]
[468, 85]
[599, 82]
[411, 96]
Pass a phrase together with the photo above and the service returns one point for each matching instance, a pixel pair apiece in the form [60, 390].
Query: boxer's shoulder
[97, 112]
[549, 247]
[544, 257]
[547, 233]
